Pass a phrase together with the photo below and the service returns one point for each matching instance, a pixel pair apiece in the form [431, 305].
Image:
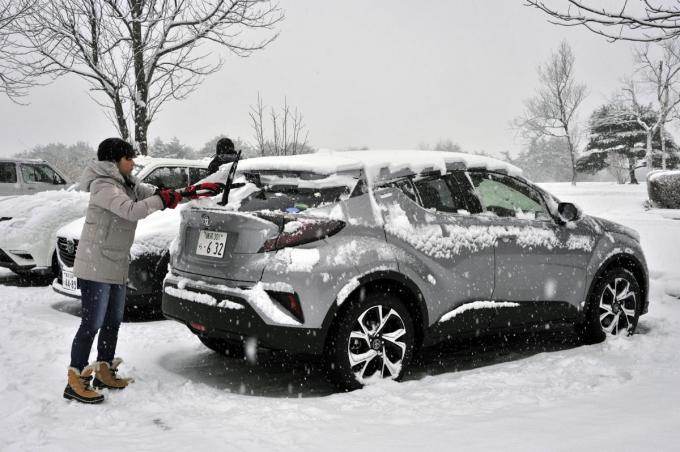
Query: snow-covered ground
[544, 392]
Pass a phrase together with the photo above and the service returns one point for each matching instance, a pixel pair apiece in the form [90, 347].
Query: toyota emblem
[70, 247]
[205, 219]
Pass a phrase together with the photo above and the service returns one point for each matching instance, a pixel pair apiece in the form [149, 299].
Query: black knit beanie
[114, 149]
[225, 146]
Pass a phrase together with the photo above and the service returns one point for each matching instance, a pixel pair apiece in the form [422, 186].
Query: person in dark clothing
[225, 153]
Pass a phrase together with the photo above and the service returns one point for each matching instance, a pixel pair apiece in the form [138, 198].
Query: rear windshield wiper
[230, 180]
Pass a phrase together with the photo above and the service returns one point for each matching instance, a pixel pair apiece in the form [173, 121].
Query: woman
[117, 202]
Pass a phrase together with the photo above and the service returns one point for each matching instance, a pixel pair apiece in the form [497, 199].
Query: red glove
[169, 197]
[203, 190]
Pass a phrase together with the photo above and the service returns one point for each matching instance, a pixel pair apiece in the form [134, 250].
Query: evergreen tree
[172, 149]
[546, 159]
[616, 134]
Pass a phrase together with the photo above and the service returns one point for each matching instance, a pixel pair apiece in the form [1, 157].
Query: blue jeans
[102, 312]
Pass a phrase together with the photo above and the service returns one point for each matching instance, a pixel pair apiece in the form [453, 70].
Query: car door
[429, 222]
[540, 264]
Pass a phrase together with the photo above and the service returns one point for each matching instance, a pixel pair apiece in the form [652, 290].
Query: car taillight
[308, 231]
[198, 327]
[290, 301]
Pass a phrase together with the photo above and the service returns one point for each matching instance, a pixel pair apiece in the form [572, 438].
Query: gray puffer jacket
[112, 215]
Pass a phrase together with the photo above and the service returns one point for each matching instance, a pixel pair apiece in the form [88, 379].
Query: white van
[28, 176]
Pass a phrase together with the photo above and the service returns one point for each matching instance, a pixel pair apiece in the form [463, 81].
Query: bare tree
[257, 120]
[139, 54]
[14, 83]
[552, 111]
[618, 166]
[661, 75]
[628, 20]
[288, 136]
[645, 116]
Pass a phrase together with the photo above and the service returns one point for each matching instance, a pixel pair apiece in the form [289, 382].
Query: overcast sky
[385, 74]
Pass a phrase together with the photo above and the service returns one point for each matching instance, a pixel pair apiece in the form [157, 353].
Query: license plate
[211, 243]
[69, 281]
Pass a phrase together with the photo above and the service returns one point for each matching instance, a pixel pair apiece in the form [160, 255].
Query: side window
[196, 174]
[467, 191]
[54, 177]
[168, 177]
[34, 173]
[8, 173]
[436, 193]
[404, 185]
[506, 196]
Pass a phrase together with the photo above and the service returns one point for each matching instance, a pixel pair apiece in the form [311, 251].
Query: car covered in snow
[149, 252]
[29, 223]
[365, 256]
[28, 226]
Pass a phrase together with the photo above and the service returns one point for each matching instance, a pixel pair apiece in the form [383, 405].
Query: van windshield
[293, 192]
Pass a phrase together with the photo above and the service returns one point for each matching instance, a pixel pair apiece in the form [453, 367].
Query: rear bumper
[232, 317]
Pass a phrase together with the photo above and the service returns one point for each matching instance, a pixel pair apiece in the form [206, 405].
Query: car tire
[613, 307]
[231, 349]
[372, 339]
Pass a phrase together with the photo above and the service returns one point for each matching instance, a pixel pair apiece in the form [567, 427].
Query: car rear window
[291, 191]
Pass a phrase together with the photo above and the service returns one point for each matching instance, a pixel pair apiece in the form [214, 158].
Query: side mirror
[568, 211]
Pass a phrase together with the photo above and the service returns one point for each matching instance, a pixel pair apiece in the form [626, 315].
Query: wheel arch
[391, 282]
[627, 261]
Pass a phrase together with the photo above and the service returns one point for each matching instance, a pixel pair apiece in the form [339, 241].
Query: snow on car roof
[22, 160]
[145, 160]
[377, 162]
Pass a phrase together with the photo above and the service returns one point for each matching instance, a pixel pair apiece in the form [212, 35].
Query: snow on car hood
[153, 235]
[36, 218]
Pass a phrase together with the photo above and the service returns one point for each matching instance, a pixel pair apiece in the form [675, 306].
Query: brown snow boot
[105, 376]
[78, 387]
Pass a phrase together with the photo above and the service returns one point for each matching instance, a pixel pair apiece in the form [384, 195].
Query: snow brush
[203, 190]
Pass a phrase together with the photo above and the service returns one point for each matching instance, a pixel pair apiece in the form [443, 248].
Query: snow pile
[477, 305]
[39, 215]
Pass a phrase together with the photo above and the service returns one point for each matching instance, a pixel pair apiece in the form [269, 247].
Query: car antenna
[230, 180]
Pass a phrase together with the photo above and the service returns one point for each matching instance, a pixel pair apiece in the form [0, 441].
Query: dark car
[149, 254]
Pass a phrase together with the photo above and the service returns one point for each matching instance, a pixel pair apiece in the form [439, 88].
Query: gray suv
[365, 256]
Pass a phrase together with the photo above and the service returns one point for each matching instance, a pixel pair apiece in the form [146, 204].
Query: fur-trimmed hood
[96, 169]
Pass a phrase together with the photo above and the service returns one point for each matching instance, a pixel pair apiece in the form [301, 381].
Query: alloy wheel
[376, 345]
[618, 307]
